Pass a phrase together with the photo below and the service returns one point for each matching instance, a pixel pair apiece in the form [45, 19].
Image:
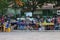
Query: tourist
[48, 20]
[22, 24]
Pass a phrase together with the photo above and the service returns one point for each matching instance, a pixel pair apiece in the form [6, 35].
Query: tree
[58, 2]
[3, 6]
[36, 3]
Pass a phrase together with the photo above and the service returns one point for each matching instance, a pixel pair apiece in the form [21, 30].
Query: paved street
[26, 35]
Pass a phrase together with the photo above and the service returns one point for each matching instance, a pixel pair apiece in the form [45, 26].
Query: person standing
[58, 20]
[2, 19]
[38, 18]
[55, 23]
[8, 18]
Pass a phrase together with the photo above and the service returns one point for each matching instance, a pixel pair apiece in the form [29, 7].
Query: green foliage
[3, 5]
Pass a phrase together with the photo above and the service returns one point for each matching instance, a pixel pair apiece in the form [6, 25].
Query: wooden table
[47, 24]
[44, 24]
[50, 25]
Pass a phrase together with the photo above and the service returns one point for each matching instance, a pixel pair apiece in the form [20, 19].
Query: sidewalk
[35, 31]
[23, 35]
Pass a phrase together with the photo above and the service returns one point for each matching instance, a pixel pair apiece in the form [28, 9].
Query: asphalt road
[28, 35]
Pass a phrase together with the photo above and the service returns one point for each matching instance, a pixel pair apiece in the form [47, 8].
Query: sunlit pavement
[30, 35]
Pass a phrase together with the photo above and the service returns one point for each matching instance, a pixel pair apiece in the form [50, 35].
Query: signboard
[28, 14]
[58, 12]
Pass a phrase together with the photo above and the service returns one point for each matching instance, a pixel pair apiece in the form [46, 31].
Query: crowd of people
[30, 23]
